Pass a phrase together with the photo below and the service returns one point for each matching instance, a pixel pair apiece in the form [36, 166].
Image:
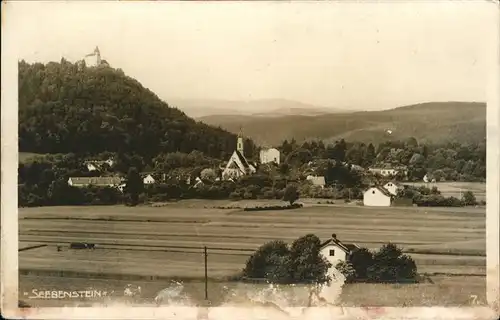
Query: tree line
[303, 262]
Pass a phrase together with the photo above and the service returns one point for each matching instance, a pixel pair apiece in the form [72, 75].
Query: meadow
[155, 244]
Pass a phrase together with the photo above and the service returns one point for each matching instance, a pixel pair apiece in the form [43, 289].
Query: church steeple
[239, 144]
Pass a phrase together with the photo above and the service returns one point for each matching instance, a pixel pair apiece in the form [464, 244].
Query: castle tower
[93, 59]
[239, 144]
[98, 55]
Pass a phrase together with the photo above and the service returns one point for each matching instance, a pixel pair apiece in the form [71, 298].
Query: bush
[389, 264]
[291, 194]
[469, 199]
[292, 206]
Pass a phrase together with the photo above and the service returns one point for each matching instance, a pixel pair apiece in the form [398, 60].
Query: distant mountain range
[430, 122]
[258, 108]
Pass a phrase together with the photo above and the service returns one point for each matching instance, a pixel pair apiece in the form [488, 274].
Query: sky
[332, 54]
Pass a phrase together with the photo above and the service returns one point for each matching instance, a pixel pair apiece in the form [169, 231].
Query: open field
[455, 189]
[166, 242]
[444, 291]
[24, 156]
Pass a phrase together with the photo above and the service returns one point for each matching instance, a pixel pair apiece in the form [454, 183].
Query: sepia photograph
[273, 156]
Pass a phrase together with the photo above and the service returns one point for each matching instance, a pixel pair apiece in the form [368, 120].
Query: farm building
[317, 180]
[270, 155]
[335, 251]
[377, 197]
[148, 179]
[238, 165]
[95, 181]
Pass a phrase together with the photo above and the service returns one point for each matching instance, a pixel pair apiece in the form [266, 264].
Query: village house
[377, 196]
[94, 181]
[317, 180]
[270, 155]
[336, 251]
[97, 165]
[389, 171]
[392, 187]
[148, 179]
[238, 165]
[385, 172]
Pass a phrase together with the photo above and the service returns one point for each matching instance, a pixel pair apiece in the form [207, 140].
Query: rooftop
[347, 247]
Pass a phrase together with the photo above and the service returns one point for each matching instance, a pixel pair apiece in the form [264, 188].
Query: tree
[370, 155]
[391, 265]
[269, 262]
[277, 263]
[469, 199]
[134, 186]
[208, 174]
[291, 194]
[361, 260]
[284, 168]
[307, 264]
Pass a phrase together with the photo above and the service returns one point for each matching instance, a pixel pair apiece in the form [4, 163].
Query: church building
[238, 165]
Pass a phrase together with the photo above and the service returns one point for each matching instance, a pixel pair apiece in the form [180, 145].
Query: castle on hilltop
[93, 59]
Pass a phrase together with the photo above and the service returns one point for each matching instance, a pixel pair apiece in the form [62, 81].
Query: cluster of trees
[388, 264]
[302, 262]
[68, 108]
[276, 262]
[432, 197]
[451, 162]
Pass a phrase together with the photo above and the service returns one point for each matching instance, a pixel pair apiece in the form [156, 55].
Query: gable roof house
[377, 196]
[238, 165]
[335, 250]
[94, 181]
[393, 187]
[148, 179]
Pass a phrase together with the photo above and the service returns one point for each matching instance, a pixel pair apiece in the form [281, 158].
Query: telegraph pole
[206, 273]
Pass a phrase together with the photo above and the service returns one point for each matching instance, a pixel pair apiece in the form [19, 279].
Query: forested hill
[434, 122]
[68, 108]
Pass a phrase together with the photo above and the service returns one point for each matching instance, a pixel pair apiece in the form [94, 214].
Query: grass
[25, 156]
[445, 291]
[167, 241]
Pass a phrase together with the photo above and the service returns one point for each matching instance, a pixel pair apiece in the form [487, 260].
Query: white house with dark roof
[238, 165]
[392, 187]
[94, 181]
[335, 250]
[377, 196]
